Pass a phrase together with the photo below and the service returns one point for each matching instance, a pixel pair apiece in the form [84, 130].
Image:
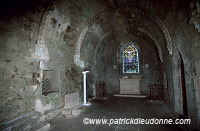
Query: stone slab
[129, 86]
[71, 100]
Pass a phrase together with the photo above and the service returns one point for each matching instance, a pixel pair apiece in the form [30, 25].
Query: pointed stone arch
[160, 24]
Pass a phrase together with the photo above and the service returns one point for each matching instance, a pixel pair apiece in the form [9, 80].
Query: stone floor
[117, 107]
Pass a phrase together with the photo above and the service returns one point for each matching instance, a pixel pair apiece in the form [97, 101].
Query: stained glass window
[130, 60]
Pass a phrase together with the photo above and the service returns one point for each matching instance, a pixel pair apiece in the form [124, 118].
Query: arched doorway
[180, 92]
[184, 92]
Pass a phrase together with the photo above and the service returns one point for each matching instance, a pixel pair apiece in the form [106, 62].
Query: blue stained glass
[130, 60]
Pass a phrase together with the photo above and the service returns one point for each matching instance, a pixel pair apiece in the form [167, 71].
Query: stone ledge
[71, 112]
[131, 95]
[19, 120]
[42, 126]
[31, 121]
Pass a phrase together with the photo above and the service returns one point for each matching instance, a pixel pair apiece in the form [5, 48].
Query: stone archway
[179, 86]
[149, 15]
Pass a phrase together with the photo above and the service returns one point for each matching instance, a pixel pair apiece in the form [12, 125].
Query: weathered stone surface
[76, 112]
[65, 111]
[71, 100]
[48, 116]
[44, 128]
[71, 36]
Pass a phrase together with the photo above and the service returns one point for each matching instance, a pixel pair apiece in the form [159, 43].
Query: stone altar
[130, 85]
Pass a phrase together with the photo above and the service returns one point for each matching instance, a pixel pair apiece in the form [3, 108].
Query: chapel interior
[64, 60]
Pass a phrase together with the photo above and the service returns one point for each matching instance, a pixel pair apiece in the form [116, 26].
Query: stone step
[20, 122]
[131, 95]
[71, 112]
[41, 126]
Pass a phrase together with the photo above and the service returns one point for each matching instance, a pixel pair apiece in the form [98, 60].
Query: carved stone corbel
[195, 14]
[195, 20]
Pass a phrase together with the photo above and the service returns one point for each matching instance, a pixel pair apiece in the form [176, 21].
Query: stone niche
[71, 100]
[130, 85]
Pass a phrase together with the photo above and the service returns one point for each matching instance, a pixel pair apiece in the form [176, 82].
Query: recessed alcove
[49, 82]
[68, 37]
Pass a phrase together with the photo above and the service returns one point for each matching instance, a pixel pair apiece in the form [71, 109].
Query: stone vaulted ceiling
[127, 21]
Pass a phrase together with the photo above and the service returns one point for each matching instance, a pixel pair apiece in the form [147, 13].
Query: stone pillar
[84, 88]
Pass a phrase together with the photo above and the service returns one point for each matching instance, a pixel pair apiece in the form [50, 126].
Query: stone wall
[150, 73]
[68, 37]
[185, 41]
[18, 36]
[41, 37]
